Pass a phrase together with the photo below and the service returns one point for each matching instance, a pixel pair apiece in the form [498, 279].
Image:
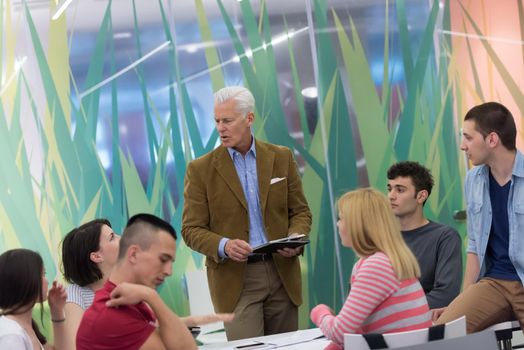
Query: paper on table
[301, 336]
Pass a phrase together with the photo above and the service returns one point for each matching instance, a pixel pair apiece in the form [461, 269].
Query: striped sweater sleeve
[374, 280]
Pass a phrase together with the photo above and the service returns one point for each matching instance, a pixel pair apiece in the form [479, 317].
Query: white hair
[244, 100]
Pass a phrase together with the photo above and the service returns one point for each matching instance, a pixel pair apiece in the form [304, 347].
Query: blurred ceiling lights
[310, 92]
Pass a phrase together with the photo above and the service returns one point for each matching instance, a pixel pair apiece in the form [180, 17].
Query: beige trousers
[264, 306]
[486, 303]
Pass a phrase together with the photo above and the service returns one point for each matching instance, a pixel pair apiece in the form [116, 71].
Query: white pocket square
[275, 180]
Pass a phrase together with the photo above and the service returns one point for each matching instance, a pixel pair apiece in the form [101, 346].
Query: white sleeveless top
[13, 336]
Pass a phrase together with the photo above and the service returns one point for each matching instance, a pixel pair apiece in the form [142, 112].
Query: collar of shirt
[518, 167]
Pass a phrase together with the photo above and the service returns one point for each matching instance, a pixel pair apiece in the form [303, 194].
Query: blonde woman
[385, 293]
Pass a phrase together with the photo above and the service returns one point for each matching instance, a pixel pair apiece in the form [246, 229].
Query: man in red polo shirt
[127, 312]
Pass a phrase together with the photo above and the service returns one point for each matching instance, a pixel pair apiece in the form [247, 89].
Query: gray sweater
[438, 249]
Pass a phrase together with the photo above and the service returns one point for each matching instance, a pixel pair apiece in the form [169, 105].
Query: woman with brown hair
[22, 285]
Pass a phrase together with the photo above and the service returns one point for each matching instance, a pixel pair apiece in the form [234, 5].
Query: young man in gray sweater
[437, 247]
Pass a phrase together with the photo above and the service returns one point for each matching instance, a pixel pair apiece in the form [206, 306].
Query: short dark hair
[494, 117]
[419, 174]
[141, 229]
[21, 284]
[77, 247]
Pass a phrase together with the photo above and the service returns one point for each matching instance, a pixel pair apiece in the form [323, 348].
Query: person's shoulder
[518, 168]
[99, 316]
[125, 326]
[520, 158]
[9, 327]
[82, 296]
[102, 295]
[206, 157]
[15, 341]
[377, 267]
[273, 147]
[12, 335]
[442, 228]
[379, 256]
[445, 233]
[72, 289]
[205, 160]
[377, 260]
[476, 171]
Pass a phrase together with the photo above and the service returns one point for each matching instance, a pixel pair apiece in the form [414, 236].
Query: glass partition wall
[103, 105]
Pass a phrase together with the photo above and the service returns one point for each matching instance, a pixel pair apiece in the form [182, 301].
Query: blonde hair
[372, 227]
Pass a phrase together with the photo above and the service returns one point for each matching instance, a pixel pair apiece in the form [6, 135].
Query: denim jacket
[479, 214]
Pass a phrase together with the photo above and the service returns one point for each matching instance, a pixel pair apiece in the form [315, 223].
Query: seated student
[22, 285]
[147, 251]
[89, 253]
[385, 294]
[493, 288]
[437, 247]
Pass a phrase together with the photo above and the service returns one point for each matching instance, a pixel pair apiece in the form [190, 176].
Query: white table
[302, 339]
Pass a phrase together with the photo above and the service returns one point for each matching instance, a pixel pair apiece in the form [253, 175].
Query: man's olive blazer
[215, 207]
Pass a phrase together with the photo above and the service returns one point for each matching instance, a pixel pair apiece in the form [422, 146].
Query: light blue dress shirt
[246, 167]
[479, 214]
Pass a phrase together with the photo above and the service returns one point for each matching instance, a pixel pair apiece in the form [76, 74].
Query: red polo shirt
[112, 328]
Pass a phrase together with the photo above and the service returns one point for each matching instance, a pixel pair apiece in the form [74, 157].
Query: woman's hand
[56, 297]
[319, 312]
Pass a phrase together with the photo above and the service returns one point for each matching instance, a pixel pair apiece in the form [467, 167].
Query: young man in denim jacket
[494, 189]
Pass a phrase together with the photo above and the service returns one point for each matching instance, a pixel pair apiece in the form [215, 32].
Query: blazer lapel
[265, 159]
[224, 165]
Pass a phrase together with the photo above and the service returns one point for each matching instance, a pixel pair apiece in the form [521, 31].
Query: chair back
[484, 340]
[200, 299]
[453, 329]
[504, 333]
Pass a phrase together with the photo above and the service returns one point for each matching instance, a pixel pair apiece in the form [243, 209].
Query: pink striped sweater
[377, 303]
